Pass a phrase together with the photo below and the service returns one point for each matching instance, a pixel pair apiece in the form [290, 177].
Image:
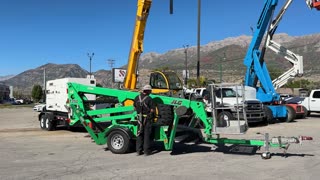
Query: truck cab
[312, 102]
[231, 99]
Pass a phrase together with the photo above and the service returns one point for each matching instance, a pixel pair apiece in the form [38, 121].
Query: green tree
[302, 83]
[275, 72]
[36, 93]
[193, 82]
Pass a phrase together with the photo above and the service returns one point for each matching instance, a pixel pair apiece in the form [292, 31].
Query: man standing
[145, 108]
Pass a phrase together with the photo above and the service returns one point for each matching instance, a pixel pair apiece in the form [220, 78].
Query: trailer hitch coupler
[305, 138]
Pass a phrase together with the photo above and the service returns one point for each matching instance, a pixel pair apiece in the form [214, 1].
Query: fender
[124, 130]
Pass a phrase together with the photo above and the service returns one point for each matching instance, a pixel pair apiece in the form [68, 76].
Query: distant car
[284, 97]
[19, 101]
[39, 107]
[293, 100]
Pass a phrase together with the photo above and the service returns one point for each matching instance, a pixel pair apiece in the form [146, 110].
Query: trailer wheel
[268, 117]
[118, 142]
[43, 122]
[266, 155]
[165, 114]
[291, 114]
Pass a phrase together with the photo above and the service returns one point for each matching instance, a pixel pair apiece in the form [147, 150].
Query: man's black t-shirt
[147, 104]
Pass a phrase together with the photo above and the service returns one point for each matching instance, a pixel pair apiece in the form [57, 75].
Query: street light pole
[186, 61]
[198, 42]
[90, 58]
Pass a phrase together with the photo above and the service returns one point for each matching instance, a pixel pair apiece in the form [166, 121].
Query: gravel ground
[30, 153]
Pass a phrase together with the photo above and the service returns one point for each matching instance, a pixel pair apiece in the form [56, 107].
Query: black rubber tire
[223, 118]
[268, 115]
[306, 112]
[165, 114]
[50, 124]
[291, 114]
[43, 122]
[118, 142]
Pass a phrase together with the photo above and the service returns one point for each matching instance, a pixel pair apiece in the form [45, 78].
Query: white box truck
[56, 112]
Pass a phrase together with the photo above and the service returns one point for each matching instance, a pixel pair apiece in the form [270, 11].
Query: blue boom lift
[257, 74]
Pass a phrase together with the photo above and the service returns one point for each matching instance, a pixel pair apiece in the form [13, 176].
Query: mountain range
[217, 58]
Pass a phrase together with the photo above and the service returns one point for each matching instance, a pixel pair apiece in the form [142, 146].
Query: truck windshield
[226, 92]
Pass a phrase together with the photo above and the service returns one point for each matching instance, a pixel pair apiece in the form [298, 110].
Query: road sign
[118, 75]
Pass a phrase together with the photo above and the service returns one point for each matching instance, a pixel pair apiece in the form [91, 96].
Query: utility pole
[111, 62]
[90, 58]
[186, 61]
[44, 85]
[198, 43]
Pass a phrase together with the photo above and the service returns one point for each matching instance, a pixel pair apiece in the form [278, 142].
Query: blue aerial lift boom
[257, 74]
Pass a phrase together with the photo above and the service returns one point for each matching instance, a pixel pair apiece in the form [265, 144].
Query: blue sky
[36, 32]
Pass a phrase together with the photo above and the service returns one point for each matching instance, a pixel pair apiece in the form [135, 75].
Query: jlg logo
[176, 102]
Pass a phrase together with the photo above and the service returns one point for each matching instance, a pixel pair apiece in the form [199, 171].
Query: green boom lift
[119, 128]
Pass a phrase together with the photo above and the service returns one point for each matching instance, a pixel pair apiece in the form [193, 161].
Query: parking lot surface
[30, 153]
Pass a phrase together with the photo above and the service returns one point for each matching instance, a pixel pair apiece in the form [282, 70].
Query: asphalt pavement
[26, 152]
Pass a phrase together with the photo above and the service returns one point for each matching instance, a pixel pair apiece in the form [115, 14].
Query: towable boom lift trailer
[122, 131]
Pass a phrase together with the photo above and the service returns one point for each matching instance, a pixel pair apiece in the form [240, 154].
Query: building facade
[4, 92]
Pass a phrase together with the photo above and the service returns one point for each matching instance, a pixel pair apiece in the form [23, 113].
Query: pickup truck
[312, 102]
[230, 99]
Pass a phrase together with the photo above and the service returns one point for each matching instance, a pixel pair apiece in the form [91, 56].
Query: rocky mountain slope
[3, 78]
[226, 55]
[230, 53]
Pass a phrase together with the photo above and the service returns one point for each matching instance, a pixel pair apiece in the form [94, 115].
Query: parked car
[312, 102]
[19, 101]
[39, 107]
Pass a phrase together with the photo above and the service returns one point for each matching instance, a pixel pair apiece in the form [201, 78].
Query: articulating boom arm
[256, 67]
[294, 59]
